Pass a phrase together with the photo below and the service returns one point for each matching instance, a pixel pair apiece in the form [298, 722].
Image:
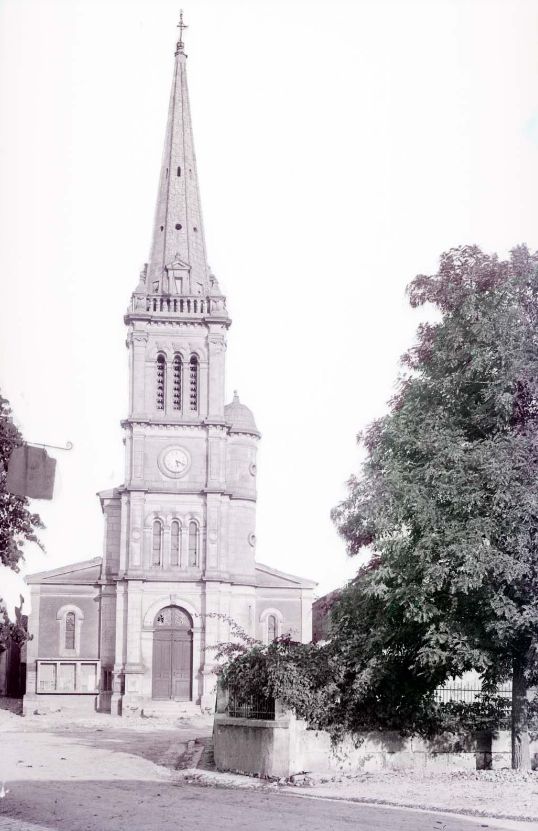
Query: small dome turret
[239, 417]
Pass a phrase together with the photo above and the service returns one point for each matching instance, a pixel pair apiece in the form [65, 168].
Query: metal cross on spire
[181, 26]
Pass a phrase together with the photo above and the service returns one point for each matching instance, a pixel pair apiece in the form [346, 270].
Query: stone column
[134, 669]
[166, 545]
[32, 653]
[203, 398]
[217, 349]
[216, 457]
[212, 534]
[118, 677]
[212, 627]
[124, 532]
[186, 384]
[107, 641]
[135, 469]
[138, 340]
[135, 530]
[306, 615]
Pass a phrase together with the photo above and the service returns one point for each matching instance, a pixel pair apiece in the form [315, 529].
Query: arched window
[70, 625]
[178, 367]
[161, 381]
[193, 544]
[272, 628]
[193, 384]
[271, 625]
[70, 619]
[157, 543]
[174, 543]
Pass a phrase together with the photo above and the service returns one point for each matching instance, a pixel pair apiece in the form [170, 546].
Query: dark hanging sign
[30, 472]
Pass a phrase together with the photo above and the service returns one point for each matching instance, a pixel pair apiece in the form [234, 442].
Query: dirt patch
[498, 793]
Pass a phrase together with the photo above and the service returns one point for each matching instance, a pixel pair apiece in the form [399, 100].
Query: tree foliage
[303, 677]
[446, 504]
[18, 524]
[447, 498]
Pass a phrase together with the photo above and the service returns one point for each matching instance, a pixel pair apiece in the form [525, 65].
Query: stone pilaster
[217, 350]
[118, 678]
[32, 652]
[134, 668]
[135, 531]
[138, 341]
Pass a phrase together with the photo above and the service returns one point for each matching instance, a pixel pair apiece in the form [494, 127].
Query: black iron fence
[471, 693]
[459, 691]
[264, 708]
[254, 707]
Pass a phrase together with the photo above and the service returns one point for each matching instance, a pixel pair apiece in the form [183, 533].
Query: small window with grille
[157, 543]
[193, 544]
[70, 624]
[161, 382]
[193, 384]
[174, 543]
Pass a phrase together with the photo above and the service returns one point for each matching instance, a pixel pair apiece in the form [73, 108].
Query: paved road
[147, 806]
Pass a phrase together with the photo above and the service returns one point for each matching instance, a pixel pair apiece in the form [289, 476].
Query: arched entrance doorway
[172, 654]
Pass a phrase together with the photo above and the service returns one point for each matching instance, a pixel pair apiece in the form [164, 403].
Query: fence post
[282, 713]
[223, 696]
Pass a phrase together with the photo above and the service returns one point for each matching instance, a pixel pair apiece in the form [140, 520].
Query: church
[132, 632]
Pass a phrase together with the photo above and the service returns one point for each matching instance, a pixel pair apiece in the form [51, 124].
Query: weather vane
[181, 26]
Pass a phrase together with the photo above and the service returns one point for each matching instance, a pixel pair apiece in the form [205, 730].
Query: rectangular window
[88, 678]
[47, 678]
[67, 677]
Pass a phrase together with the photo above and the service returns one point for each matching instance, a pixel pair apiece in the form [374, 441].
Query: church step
[207, 757]
[169, 709]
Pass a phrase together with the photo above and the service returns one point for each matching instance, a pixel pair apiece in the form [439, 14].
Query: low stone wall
[285, 747]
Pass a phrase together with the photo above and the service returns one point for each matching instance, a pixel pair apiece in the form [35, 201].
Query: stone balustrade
[184, 305]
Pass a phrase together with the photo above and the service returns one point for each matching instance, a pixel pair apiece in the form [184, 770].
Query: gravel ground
[102, 749]
[499, 793]
[503, 793]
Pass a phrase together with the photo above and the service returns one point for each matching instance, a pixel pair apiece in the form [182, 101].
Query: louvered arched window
[178, 373]
[193, 384]
[157, 543]
[160, 382]
[70, 624]
[272, 628]
[174, 543]
[193, 544]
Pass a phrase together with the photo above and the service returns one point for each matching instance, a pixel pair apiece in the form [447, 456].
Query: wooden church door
[172, 655]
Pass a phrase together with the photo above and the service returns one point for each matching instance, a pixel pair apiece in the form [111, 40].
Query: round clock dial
[175, 461]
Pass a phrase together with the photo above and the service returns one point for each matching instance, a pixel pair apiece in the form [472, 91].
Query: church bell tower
[133, 632]
[186, 511]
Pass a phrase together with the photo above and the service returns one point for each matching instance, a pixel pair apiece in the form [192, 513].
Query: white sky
[341, 148]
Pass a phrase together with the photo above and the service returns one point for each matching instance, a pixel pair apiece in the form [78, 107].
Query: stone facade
[179, 549]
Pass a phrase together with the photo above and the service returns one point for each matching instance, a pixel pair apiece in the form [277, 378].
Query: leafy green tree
[17, 524]
[447, 499]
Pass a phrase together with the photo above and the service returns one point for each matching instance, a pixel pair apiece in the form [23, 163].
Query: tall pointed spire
[178, 263]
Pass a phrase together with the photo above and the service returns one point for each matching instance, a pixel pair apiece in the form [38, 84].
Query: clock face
[175, 461]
